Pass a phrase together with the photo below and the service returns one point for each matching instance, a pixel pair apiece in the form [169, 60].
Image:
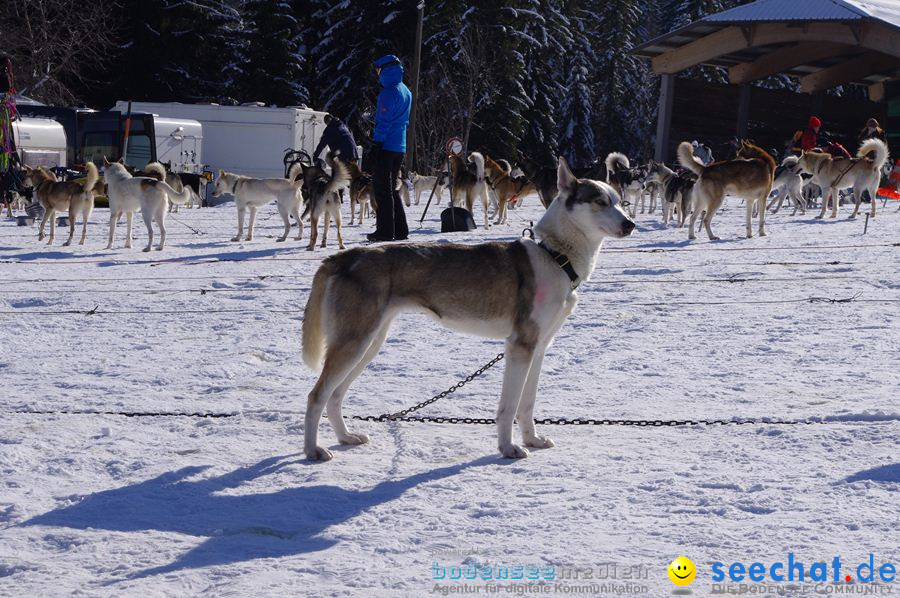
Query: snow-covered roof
[884, 14]
[809, 10]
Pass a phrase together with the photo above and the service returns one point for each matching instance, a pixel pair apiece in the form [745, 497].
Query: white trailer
[248, 140]
[40, 142]
[179, 142]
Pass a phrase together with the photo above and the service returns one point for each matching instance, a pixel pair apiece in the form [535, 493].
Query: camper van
[40, 142]
[249, 140]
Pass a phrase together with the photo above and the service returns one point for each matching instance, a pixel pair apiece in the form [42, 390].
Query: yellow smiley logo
[682, 571]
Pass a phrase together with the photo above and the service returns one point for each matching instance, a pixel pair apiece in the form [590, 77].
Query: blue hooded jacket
[394, 103]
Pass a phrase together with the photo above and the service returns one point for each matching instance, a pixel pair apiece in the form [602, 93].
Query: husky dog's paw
[236, 239]
[160, 248]
[67, 243]
[513, 451]
[249, 238]
[540, 442]
[341, 246]
[109, 246]
[280, 239]
[146, 249]
[319, 454]
[819, 217]
[310, 247]
[354, 439]
[851, 217]
[762, 233]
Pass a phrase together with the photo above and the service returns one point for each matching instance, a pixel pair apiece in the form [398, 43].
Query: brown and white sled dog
[788, 184]
[360, 191]
[750, 178]
[251, 194]
[470, 183]
[63, 196]
[128, 194]
[506, 187]
[323, 199]
[520, 291]
[861, 173]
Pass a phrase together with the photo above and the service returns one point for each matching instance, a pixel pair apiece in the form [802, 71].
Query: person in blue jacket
[389, 137]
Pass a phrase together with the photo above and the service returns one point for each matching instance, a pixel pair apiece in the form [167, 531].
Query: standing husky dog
[69, 196]
[788, 183]
[506, 187]
[519, 290]
[157, 171]
[470, 183]
[750, 178]
[127, 194]
[323, 200]
[834, 174]
[254, 193]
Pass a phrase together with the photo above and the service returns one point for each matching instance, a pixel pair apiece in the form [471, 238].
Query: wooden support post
[664, 117]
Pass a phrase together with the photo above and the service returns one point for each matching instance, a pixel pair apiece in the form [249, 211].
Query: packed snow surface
[107, 505]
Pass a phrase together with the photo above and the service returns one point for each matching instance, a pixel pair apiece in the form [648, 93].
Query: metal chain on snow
[400, 415]
[403, 416]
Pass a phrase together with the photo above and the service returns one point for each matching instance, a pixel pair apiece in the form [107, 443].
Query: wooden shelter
[823, 43]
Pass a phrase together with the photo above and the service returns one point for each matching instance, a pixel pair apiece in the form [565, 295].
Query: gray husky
[521, 291]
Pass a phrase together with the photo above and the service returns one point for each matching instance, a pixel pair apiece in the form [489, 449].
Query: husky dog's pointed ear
[121, 161]
[106, 162]
[564, 177]
[221, 172]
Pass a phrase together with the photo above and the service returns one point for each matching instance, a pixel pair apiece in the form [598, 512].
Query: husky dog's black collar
[563, 262]
[234, 187]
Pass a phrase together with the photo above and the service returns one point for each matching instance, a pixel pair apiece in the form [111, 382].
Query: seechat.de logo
[682, 571]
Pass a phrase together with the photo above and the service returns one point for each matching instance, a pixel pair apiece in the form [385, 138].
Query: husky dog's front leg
[519, 356]
[241, 210]
[525, 413]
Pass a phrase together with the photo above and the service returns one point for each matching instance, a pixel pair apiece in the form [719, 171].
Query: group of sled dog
[693, 190]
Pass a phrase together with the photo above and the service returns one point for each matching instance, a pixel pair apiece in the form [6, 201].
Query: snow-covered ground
[106, 505]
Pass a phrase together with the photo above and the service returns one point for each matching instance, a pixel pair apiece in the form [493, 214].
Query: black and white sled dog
[323, 200]
[627, 181]
[520, 290]
[676, 188]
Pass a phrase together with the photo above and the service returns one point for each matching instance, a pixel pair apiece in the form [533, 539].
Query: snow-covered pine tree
[545, 75]
[576, 108]
[619, 76]
[177, 50]
[274, 57]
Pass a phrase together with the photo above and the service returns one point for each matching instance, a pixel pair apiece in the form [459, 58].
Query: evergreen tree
[274, 58]
[175, 50]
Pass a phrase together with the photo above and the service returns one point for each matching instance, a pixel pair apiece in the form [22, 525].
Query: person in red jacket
[809, 140]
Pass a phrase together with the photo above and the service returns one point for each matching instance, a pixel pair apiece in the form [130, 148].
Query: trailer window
[99, 145]
[138, 151]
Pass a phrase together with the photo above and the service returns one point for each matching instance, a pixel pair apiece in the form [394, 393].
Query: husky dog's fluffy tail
[92, 176]
[616, 161]
[478, 160]
[313, 319]
[688, 160]
[155, 170]
[877, 146]
[295, 172]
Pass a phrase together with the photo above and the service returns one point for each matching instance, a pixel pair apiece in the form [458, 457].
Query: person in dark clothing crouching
[389, 137]
[338, 138]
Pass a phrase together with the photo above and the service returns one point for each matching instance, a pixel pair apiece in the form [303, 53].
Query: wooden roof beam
[733, 39]
[855, 69]
[784, 59]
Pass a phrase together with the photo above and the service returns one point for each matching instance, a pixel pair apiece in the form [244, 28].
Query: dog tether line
[403, 415]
